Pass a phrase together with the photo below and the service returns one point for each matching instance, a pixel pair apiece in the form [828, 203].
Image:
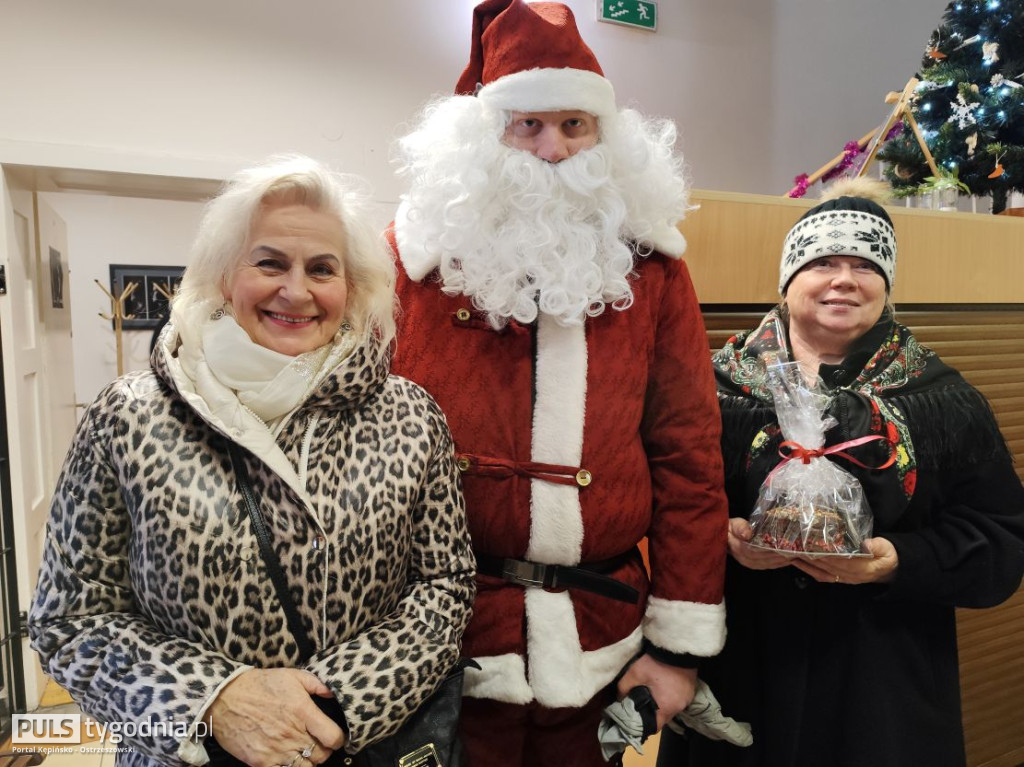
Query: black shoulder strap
[270, 559]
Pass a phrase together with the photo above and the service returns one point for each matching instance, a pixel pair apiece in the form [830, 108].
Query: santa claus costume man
[546, 308]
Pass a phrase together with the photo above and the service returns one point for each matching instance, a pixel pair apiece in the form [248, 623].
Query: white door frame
[32, 481]
[28, 433]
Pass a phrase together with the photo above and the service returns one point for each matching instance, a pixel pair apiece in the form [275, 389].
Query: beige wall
[761, 89]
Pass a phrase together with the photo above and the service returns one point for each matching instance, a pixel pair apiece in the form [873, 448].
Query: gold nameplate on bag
[424, 756]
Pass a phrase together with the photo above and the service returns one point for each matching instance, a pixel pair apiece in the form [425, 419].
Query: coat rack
[163, 290]
[117, 314]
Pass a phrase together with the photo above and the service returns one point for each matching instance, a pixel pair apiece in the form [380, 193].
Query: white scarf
[247, 385]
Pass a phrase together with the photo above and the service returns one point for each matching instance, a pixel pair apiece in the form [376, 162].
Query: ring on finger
[837, 579]
[308, 750]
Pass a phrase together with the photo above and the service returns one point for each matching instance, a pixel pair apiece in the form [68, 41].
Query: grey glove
[621, 726]
[704, 716]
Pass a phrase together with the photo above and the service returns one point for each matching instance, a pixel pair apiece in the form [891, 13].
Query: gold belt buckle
[424, 756]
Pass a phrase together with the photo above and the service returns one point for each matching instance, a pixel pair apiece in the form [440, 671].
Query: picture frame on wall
[147, 305]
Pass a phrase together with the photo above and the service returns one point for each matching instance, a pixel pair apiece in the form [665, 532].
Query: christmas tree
[969, 103]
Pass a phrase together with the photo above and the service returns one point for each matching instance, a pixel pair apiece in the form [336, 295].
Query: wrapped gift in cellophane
[808, 504]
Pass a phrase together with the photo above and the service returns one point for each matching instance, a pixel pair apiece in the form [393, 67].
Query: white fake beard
[547, 239]
[520, 235]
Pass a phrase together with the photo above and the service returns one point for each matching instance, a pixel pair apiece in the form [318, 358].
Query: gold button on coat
[462, 315]
[584, 478]
[463, 464]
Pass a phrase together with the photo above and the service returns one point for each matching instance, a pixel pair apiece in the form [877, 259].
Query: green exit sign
[632, 13]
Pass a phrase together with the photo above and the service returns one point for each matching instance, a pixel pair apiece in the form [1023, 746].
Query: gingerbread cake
[784, 528]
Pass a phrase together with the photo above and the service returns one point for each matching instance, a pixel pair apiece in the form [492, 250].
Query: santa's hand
[671, 687]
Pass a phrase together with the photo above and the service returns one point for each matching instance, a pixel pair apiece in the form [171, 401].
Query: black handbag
[429, 738]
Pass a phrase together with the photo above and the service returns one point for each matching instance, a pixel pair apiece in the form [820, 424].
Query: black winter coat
[836, 675]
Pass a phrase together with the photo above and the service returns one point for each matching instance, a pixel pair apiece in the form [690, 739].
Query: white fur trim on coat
[503, 677]
[556, 519]
[685, 627]
[500, 677]
[668, 240]
[551, 90]
[561, 673]
[414, 257]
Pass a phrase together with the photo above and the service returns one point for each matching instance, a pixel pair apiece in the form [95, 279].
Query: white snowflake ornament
[962, 113]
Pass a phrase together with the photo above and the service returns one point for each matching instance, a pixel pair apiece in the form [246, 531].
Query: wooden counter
[735, 244]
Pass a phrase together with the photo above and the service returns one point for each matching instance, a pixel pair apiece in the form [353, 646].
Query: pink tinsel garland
[800, 188]
[850, 151]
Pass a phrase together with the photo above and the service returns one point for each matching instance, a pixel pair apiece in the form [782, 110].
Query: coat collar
[356, 380]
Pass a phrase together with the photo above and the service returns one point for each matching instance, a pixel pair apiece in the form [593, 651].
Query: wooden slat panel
[981, 377]
[1014, 758]
[929, 334]
[986, 628]
[969, 346]
[1009, 399]
[1013, 433]
[1011, 417]
[721, 326]
[923, 319]
[987, 347]
[994, 617]
[968, 363]
[1001, 391]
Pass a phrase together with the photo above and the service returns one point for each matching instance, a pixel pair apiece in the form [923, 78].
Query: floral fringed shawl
[923, 407]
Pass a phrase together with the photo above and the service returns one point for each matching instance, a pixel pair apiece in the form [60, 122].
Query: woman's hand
[881, 567]
[740, 534]
[266, 716]
[671, 687]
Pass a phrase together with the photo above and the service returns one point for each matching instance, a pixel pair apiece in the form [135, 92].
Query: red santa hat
[529, 57]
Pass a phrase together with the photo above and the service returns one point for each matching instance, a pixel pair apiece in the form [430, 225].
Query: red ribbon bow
[790, 451]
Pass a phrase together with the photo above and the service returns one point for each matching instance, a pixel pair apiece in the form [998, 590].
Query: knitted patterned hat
[529, 57]
[848, 225]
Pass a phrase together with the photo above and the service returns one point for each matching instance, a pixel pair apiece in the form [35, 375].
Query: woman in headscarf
[852, 661]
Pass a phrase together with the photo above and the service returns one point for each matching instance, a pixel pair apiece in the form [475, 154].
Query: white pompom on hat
[530, 57]
[849, 222]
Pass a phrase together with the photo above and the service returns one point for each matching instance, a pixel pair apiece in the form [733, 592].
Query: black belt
[587, 576]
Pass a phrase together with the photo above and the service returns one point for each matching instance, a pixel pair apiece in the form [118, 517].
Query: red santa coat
[629, 397]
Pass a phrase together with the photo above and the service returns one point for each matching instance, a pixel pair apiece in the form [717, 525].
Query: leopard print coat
[153, 595]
